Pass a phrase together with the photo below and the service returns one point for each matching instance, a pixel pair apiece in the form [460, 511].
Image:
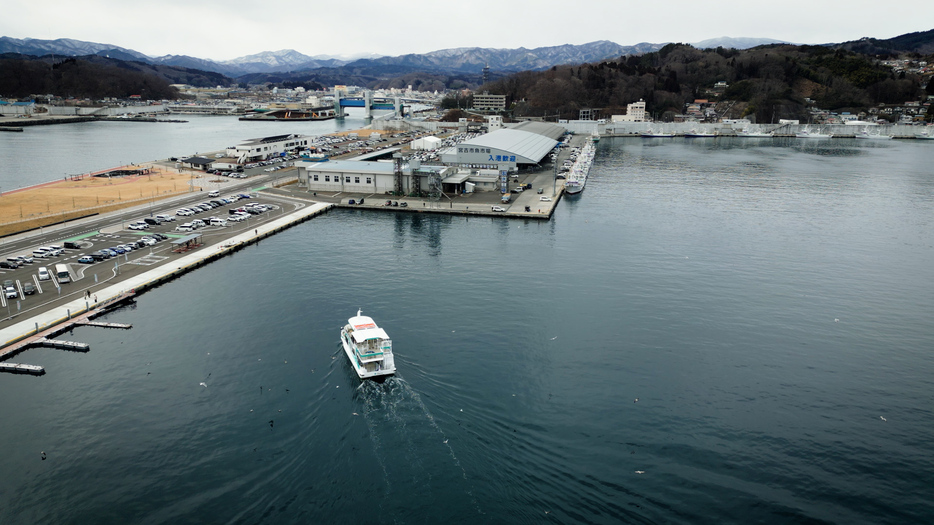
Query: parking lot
[37, 276]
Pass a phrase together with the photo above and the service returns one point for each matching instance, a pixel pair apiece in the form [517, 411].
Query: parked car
[137, 226]
[105, 254]
[197, 223]
[72, 245]
[29, 289]
[97, 256]
[159, 236]
[184, 212]
[152, 221]
[544, 199]
[25, 259]
[498, 208]
[10, 292]
[8, 265]
[86, 259]
[218, 222]
[187, 227]
[42, 251]
[165, 218]
[119, 250]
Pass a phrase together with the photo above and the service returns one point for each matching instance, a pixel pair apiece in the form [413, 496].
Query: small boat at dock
[368, 347]
[656, 135]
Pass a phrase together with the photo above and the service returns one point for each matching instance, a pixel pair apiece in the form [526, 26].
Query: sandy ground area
[53, 202]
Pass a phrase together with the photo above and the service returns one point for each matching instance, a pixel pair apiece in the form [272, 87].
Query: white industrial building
[267, 147]
[472, 165]
[526, 143]
[361, 177]
[635, 112]
[426, 143]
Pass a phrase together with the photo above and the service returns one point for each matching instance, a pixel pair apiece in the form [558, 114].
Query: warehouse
[353, 176]
[525, 144]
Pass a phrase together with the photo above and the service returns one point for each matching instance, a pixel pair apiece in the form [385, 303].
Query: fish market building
[525, 144]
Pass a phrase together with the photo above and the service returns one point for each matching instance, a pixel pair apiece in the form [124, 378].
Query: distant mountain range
[456, 60]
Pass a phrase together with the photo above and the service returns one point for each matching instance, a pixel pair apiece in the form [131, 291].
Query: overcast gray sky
[222, 30]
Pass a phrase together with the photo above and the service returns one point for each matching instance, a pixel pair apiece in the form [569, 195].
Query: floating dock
[17, 368]
[104, 325]
[64, 345]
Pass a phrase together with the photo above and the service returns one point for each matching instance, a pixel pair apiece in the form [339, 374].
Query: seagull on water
[883, 418]
[640, 472]
[205, 385]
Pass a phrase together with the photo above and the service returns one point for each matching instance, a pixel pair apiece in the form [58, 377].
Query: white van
[42, 251]
[214, 193]
[187, 227]
[62, 273]
[44, 274]
[218, 222]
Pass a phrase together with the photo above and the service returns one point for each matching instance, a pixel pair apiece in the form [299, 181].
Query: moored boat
[574, 186]
[322, 113]
[368, 347]
[865, 134]
[656, 135]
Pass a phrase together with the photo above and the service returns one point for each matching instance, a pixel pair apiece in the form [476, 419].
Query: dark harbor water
[767, 303]
[46, 153]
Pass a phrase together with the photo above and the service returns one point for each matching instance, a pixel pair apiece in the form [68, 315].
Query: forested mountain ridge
[767, 82]
[96, 77]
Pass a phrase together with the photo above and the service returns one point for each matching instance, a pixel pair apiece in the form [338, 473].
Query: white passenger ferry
[368, 347]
